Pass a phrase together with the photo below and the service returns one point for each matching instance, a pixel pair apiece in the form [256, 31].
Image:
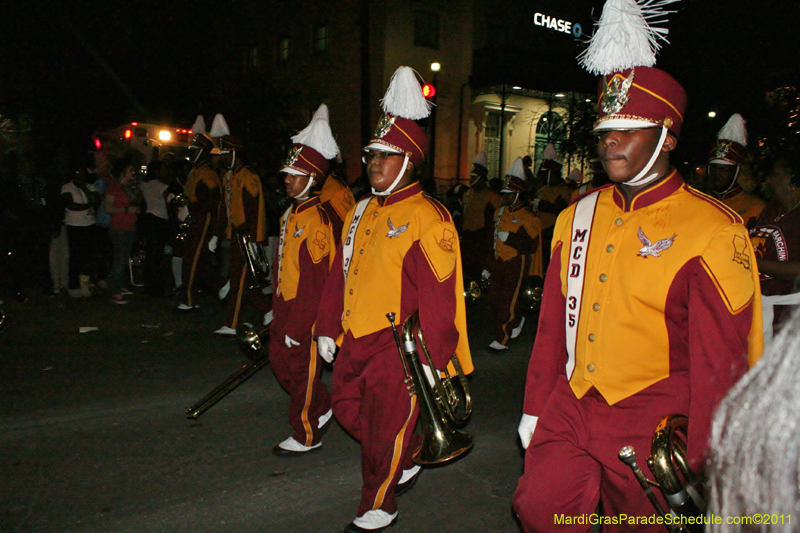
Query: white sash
[282, 240]
[768, 312]
[496, 224]
[349, 242]
[578, 248]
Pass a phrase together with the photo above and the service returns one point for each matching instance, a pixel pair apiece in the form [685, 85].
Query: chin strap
[391, 187]
[304, 194]
[733, 181]
[642, 178]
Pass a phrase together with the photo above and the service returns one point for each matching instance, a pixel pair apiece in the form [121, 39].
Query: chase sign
[553, 23]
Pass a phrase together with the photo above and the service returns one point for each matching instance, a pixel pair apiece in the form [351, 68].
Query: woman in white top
[80, 201]
[155, 227]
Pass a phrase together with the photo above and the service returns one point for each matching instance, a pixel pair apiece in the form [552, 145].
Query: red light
[97, 144]
[128, 134]
[428, 90]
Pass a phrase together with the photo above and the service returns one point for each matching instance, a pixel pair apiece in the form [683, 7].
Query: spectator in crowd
[121, 203]
[155, 227]
[80, 202]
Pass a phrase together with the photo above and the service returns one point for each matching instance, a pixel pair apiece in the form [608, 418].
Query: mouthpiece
[627, 455]
[390, 316]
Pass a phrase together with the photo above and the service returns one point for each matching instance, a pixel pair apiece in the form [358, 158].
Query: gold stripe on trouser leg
[513, 305]
[397, 456]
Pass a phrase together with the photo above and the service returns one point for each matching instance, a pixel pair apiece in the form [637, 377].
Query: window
[491, 144]
[283, 49]
[426, 29]
[321, 36]
[550, 129]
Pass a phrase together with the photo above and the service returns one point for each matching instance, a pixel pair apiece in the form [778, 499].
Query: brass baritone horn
[255, 256]
[667, 461]
[438, 404]
[254, 345]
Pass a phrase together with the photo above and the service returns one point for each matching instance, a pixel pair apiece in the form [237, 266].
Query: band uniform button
[368, 232]
[603, 278]
[375, 214]
[595, 307]
[618, 222]
[590, 368]
[610, 248]
[347, 313]
[355, 272]
[591, 337]
[361, 251]
[351, 291]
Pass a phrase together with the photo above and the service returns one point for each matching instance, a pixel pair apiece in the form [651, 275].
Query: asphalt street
[93, 436]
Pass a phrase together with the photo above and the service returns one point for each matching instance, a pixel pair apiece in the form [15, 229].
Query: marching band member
[246, 213]
[400, 253]
[516, 254]
[480, 203]
[724, 166]
[651, 303]
[301, 265]
[204, 193]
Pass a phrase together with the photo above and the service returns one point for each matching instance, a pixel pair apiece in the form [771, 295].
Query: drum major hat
[731, 142]
[312, 148]
[515, 177]
[632, 93]
[403, 105]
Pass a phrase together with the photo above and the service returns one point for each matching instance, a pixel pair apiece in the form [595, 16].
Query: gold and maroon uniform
[301, 266]
[402, 254]
[246, 209]
[336, 194]
[480, 203]
[746, 205]
[511, 262]
[666, 320]
[204, 192]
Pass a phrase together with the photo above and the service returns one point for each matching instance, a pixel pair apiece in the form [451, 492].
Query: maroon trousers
[197, 264]
[240, 293]
[298, 371]
[503, 295]
[371, 402]
[572, 462]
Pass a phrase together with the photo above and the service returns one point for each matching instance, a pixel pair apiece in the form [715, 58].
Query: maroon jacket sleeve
[331, 303]
[549, 355]
[305, 303]
[718, 346]
[436, 304]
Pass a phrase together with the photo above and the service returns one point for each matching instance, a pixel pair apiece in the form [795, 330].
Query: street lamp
[712, 114]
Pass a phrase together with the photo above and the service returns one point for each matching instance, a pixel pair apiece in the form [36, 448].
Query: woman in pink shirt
[123, 210]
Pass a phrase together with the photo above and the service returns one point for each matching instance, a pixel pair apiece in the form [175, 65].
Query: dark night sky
[77, 67]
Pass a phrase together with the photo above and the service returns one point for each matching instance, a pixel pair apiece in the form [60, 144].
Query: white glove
[486, 274]
[526, 426]
[290, 342]
[502, 235]
[212, 243]
[428, 374]
[326, 347]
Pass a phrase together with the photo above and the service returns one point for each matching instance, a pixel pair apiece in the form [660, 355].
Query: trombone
[254, 345]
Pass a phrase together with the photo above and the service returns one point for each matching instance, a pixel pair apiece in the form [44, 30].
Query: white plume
[550, 152]
[199, 126]
[480, 159]
[516, 169]
[219, 128]
[734, 130]
[623, 37]
[404, 97]
[318, 135]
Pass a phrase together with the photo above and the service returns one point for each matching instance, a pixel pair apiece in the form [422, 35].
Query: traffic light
[428, 90]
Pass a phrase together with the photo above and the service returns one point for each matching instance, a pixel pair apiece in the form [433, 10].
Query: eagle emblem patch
[616, 95]
[298, 232]
[651, 249]
[384, 125]
[395, 232]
